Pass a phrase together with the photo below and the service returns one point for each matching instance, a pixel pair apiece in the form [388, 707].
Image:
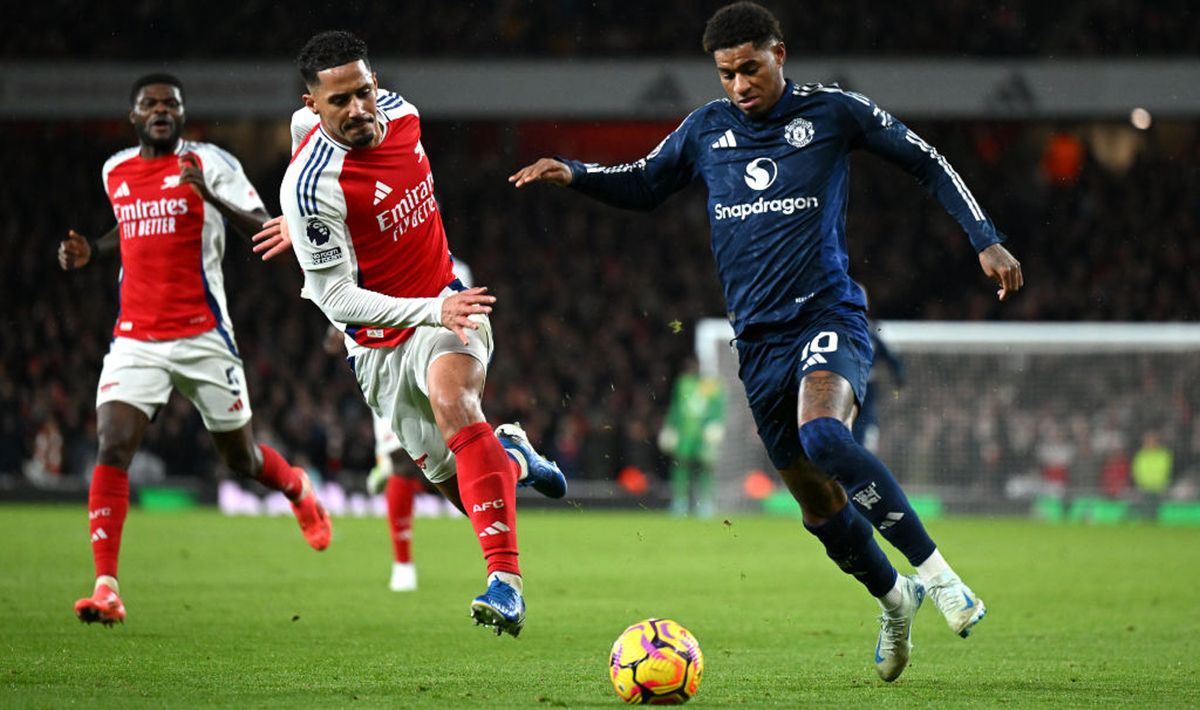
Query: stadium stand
[1018, 28]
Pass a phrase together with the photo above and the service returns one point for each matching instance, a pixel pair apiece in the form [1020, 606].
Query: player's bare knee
[117, 444]
[454, 410]
[115, 450]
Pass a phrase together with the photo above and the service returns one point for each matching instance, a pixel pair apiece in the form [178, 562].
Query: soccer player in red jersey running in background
[171, 198]
[359, 197]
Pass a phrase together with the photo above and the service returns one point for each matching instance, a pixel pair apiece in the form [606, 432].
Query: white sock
[110, 581]
[891, 600]
[521, 463]
[512, 580]
[933, 567]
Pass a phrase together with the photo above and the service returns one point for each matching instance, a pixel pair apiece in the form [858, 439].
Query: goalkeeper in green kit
[690, 435]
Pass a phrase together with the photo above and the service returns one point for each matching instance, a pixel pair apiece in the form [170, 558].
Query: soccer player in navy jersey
[774, 156]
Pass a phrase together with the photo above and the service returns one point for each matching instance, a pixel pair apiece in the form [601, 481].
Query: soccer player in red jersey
[171, 198]
[359, 196]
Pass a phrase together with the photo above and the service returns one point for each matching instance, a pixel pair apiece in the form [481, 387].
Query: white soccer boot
[895, 627]
[404, 577]
[957, 603]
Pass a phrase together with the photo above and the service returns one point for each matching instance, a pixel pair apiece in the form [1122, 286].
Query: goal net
[1007, 417]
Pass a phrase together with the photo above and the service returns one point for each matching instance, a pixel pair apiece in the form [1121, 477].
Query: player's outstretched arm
[1003, 268]
[75, 252]
[458, 309]
[273, 239]
[548, 170]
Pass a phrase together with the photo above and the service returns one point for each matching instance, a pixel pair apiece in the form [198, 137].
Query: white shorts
[386, 441]
[395, 383]
[141, 373]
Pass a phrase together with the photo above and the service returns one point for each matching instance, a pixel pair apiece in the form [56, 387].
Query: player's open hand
[548, 170]
[74, 252]
[273, 240]
[458, 309]
[192, 175]
[1003, 268]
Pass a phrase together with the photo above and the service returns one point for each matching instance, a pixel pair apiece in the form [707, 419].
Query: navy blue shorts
[772, 364]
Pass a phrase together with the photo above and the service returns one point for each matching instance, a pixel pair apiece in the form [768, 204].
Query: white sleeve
[341, 300]
[322, 247]
[227, 181]
[303, 121]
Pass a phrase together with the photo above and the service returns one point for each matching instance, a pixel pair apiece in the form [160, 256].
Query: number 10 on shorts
[825, 342]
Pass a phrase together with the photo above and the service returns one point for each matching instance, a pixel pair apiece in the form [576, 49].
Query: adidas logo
[814, 359]
[99, 535]
[381, 192]
[725, 141]
[122, 190]
[495, 528]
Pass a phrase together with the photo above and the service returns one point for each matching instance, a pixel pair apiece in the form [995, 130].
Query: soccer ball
[656, 662]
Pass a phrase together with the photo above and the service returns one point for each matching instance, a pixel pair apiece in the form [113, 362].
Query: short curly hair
[739, 23]
[332, 48]
[155, 78]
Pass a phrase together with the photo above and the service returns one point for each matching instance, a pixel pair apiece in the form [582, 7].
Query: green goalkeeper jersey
[695, 420]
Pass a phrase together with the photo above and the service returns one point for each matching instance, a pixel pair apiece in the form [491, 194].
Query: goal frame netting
[952, 357]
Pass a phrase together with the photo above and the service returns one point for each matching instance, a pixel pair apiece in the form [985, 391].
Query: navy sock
[850, 543]
[871, 486]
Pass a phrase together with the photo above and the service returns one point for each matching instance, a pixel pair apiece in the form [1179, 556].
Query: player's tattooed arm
[244, 222]
[76, 251]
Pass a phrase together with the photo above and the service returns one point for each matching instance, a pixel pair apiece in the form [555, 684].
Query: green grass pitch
[239, 612]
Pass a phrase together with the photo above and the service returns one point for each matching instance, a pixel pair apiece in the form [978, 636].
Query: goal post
[1001, 418]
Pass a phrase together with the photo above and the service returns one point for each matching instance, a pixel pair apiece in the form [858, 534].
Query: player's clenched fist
[544, 170]
[458, 309]
[190, 173]
[74, 252]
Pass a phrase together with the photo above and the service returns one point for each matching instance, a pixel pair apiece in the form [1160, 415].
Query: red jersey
[172, 242]
[372, 208]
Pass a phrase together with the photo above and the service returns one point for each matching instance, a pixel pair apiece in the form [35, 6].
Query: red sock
[277, 474]
[399, 493]
[108, 503]
[487, 479]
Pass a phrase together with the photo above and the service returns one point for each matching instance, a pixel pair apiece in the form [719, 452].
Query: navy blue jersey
[777, 192]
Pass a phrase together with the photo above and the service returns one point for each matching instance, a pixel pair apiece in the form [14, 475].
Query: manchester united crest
[799, 132]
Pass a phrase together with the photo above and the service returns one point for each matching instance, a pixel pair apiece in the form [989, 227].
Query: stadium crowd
[596, 306]
[599, 28]
[1045, 424]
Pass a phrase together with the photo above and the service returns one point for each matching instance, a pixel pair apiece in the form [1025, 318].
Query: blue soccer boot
[501, 607]
[538, 472]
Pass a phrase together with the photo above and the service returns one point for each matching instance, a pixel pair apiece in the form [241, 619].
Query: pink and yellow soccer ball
[656, 662]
